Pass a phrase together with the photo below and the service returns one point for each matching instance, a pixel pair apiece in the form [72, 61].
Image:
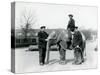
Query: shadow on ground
[53, 61]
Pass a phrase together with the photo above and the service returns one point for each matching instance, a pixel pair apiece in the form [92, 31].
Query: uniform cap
[42, 27]
[70, 15]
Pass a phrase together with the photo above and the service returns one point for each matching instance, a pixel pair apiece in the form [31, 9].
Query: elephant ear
[63, 35]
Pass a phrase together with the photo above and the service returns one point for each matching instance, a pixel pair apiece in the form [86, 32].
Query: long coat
[71, 24]
[77, 39]
[42, 35]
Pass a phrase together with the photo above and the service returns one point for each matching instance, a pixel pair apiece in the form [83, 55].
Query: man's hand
[46, 40]
[68, 29]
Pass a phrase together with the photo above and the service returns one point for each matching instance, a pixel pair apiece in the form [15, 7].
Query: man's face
[76, 29]
[43, 29]
[70, 17]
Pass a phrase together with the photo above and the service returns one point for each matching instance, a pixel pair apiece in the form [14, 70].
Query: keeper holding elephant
[42, 36]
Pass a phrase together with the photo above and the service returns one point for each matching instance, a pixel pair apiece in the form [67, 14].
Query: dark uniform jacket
[71, 24]
[77, 39]
[42, 35]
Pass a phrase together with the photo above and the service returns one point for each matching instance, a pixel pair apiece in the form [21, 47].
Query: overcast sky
[56, 16]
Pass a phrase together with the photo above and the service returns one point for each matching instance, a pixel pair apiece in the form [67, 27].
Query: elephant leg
[79, 58]
[84, 51]
[82, 56]
[62, 56]
[75, 57]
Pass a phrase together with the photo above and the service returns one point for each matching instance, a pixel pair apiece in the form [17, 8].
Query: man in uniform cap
[78, 45]
[71, 23]
[70, 28]
[42, 36]
[77, 38]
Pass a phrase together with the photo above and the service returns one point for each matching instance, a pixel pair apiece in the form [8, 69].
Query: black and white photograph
[49, 37]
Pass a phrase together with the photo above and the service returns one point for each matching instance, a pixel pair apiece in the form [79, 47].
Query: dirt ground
[28, 61]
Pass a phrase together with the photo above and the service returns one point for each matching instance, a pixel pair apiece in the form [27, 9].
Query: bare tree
[28, 19]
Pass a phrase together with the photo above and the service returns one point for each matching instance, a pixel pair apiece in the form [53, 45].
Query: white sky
[56, 16]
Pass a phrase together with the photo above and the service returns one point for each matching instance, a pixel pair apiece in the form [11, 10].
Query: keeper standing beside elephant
[42, 36]
[79, 46]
